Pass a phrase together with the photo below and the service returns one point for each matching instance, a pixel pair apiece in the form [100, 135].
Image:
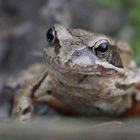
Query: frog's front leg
[24, 99]
[31, 93]
[23, 105]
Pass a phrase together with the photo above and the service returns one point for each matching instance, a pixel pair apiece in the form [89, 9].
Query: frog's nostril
[76, 54]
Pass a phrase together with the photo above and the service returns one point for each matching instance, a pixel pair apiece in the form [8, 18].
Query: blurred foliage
[111, 3]
[132, 7]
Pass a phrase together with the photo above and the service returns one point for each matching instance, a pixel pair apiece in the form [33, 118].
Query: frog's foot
[23, 107]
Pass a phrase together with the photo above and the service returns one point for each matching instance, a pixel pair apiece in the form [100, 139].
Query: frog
[86, 74]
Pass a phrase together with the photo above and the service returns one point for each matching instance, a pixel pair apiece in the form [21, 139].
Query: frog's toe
[23, 108]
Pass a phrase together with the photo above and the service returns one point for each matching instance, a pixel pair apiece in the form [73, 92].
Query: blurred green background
[132, 8]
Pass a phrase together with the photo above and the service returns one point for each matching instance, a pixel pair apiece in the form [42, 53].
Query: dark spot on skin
[57, 46]
[49, 92]
[123, 86]
[61, 83]
[82, 79]
[116, 59]
[26, 110]
[98, 109]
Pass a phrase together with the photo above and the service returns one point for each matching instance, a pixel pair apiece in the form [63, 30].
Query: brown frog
[87, 73]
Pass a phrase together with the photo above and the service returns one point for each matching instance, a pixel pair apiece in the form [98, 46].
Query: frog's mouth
[100, 68]
[84, 61]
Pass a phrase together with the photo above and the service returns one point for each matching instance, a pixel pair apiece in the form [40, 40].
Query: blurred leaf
[133, 10]
[110, 3]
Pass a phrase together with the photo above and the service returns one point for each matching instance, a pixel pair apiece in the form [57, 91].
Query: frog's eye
[50, 35]
[101, 47]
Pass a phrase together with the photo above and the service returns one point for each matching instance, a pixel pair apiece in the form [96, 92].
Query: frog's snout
[84, 56]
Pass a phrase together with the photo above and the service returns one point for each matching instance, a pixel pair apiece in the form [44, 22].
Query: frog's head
[79, 51]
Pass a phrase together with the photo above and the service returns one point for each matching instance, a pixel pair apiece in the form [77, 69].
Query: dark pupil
[102, 47]
[50, 35]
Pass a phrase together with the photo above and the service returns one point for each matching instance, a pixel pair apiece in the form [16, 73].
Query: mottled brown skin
[84, 79]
